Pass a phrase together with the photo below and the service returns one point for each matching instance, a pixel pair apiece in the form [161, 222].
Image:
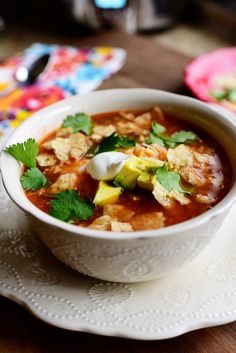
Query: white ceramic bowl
[123, 257]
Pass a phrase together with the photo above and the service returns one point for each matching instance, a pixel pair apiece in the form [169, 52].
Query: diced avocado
[147, 164]
[127, 176]
[146, 181]
[106, 194]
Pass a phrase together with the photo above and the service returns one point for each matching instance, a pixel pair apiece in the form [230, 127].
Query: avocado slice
[106, 194]
[135, 169]
[147, 164]
[127, 176]
[146, 181]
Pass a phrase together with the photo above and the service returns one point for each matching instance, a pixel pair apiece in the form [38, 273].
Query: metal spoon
[28, 72]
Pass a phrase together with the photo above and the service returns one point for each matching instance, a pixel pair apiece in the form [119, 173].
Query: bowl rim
[184, 226]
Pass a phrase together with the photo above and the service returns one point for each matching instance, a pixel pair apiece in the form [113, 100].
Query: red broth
[212, 187]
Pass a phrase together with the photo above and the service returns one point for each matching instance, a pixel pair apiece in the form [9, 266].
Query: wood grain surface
[148, 65]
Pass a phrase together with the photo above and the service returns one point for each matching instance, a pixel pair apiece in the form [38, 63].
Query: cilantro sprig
[113, 142]
[33, 179]
[69, 206]
[171, 180]
[25, 152]
[78, 122]
[158, 135]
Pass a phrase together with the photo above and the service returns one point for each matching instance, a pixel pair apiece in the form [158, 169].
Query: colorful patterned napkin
[70, 71]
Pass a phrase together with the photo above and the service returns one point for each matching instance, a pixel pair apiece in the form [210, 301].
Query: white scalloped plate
[198, 295]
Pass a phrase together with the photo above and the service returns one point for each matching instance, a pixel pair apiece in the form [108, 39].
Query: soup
[128, 171]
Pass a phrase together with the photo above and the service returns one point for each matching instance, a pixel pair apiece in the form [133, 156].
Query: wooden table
[148, 65]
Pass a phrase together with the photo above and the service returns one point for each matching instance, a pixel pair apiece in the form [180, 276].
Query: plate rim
[87, 328]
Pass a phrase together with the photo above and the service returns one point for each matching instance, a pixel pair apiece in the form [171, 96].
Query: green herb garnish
[157, 128]
[183, 137]
[25, 152]
[228, 93]
[170, 180]
[155, 139]
[158, 135]
[219, 94]
[69, 206]
[113, 142]
[78, 122]
[33, 179]
[232, 96]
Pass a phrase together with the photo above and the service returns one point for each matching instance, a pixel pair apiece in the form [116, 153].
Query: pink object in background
[212, 77]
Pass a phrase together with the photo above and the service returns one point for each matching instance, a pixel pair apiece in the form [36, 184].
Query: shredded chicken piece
[75, 146]
[118, 212]
[107, 223]
[79, 145]
[217, 179]
[96, 138]
[78, 152]
[55, 169]
[46, 160]
[104, 130]
[63, 182]
[64, 132]
[101, 223]
[166, 198]
[144, 120]
[178, 196]
[205, 199]
[161, 151]
[192, 166]
[184, 156]
[127, 115]
[47, 145]
[145, 221]
[152, 150]
[61, 147]
[128, 127]
[157, 114]
[192, 176]
[161, 195]
[204, 158]
[121, 226]
[149, 151]
[181, 156]
[141, 151]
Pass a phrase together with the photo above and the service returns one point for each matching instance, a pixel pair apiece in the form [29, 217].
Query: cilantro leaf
[169, 180]
[108, 144]
[33, 179]
[25, 152]
[78, 122]
[155, 139]
[184, 137]
[158, 128]
[159, 136]
[113, 142]
[125, 142]
[70, 206]
[169, 143]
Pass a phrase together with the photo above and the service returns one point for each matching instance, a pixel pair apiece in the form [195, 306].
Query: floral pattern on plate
[200, 294]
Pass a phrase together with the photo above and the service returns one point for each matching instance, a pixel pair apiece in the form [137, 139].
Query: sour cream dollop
[106, 165]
